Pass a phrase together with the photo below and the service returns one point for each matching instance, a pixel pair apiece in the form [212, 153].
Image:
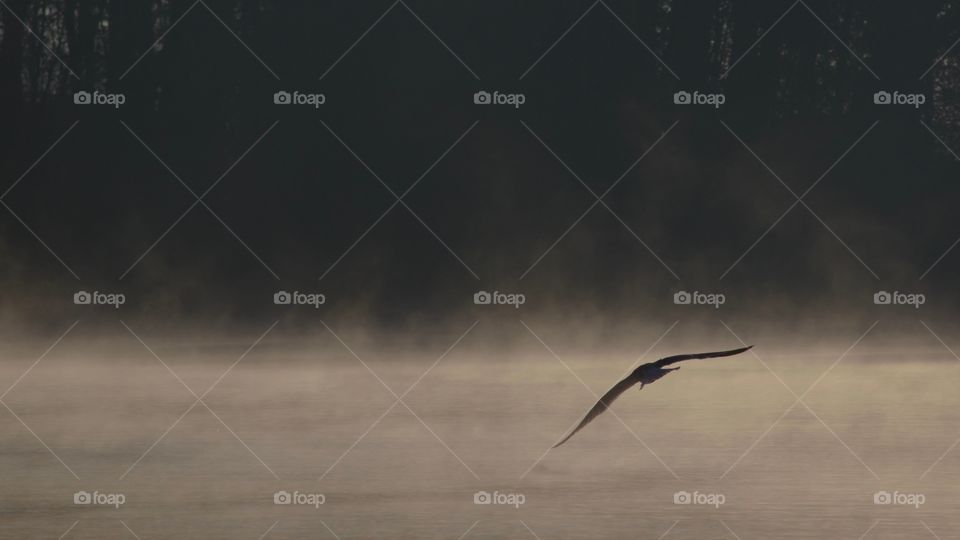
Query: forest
[197, 79]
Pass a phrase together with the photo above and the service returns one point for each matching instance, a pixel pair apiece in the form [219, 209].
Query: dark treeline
[802, 67]
[199, 78]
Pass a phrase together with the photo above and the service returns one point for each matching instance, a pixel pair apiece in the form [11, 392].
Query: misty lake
[722, 449]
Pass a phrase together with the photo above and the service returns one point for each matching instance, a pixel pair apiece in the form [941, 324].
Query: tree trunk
[11, 57]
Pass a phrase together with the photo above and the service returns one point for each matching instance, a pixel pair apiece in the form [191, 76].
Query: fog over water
[304, 415]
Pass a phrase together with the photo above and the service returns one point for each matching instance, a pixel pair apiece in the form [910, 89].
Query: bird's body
[650, 373]
[645, 374]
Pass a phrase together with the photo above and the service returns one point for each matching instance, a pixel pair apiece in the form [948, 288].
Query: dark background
[199, 99]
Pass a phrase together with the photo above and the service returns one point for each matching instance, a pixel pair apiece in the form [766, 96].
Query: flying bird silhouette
[645, 374]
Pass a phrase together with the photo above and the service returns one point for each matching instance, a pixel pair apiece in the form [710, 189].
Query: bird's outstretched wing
[603, 403]
[681, 357]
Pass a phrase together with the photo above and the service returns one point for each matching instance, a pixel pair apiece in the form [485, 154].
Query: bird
[645, 374]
